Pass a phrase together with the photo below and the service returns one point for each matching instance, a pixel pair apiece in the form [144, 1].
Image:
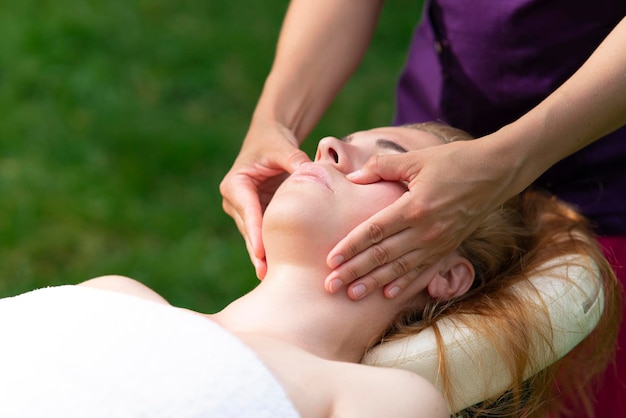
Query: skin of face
[319, 202]
[309, 213]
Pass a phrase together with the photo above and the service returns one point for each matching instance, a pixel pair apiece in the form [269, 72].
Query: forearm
[591, 104]
[320, 45]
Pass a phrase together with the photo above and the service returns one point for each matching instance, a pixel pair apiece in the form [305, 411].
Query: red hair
[513, 243]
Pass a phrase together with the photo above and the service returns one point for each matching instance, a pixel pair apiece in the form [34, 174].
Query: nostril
[334, 155]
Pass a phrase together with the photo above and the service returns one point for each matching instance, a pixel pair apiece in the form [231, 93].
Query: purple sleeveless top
[480, 64]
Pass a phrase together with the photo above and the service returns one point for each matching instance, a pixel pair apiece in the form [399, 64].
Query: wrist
[513, 158]
[287, 105]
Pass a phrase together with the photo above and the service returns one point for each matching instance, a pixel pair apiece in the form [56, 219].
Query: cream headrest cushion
[475, 369]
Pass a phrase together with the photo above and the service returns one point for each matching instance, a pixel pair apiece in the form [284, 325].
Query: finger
[390, 251]
[254, 244]
[248, 218]
[395, 276]
[387, 274]
[295, 160]
[246, 212]
[378, 227]
[253, 220]
[248, 230]
[390, 167]
[260, 264]
[394, 288]
[362, 176]
[261, 268]
[369, 283]
[400, 284]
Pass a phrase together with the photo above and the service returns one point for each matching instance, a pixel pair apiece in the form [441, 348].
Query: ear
[453, 280]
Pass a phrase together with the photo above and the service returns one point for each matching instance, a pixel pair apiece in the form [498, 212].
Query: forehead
[408, 138]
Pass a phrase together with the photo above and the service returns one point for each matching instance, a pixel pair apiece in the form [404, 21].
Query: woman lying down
[112, 347]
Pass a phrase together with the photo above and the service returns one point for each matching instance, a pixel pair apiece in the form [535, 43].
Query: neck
[291, 305]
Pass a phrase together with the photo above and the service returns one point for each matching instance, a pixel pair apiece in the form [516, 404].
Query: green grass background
[119, 118]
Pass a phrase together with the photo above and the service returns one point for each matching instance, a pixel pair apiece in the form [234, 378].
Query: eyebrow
[387, 144]
[381, 143]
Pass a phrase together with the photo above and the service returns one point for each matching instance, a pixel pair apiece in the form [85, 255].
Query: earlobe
[453, 280]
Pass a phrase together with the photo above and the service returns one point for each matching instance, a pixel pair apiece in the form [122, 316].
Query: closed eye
[381, 143]
[391, 145]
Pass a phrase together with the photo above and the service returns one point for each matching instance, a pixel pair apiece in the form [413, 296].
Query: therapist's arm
[453, 187]
[591, 104]
[320, 45]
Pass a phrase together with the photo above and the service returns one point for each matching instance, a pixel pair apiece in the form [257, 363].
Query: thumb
[296, 159]
[389, 167]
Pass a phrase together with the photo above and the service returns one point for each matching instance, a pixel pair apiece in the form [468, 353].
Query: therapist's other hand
[268, 154]
[452, 187]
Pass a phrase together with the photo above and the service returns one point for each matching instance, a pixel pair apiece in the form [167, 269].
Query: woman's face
[319, 201]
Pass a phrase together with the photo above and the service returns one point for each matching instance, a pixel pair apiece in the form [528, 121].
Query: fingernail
[335, 285]
[335, 261]
[353, 175]
[393, 291]
[359, 290]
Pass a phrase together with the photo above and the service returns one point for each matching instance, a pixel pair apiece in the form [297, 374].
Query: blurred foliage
[118, 119]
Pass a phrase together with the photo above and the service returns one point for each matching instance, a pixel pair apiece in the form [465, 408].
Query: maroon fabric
[611, 402]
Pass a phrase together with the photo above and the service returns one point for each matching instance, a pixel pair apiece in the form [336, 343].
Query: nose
[333, 151]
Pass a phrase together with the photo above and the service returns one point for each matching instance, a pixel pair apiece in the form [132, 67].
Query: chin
[303, 233]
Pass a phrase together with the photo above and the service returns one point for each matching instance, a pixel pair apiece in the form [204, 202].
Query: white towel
[78, 352]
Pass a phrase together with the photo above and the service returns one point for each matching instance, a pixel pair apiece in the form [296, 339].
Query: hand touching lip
[313, 172]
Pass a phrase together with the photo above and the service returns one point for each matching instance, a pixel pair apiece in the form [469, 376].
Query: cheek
[320, 215]
[371, 198]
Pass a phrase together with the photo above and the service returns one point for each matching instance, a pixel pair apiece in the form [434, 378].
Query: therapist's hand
[268, 154]
[452, 188]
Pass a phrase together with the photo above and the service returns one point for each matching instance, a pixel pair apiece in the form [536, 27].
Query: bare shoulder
[123, 284]
[368, 391]
[321, 388]
[307, 379]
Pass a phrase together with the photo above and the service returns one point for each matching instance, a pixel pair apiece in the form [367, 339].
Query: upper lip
[313, 170]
